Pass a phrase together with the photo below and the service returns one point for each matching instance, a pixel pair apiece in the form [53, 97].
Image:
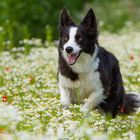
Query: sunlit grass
[33, 110]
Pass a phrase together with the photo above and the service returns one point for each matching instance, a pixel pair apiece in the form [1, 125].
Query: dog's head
[76, 39]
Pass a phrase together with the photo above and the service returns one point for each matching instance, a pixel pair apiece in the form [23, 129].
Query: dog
[91, 70]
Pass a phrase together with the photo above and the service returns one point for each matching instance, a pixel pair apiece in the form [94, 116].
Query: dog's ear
[65, 19]
[89, 21]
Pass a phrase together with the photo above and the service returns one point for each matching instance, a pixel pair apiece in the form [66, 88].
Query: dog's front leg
[92, 101]
[65, 96]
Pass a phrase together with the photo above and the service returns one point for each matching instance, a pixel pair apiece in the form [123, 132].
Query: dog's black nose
[69, 49]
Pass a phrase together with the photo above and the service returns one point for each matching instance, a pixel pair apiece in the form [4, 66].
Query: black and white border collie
[90, 69]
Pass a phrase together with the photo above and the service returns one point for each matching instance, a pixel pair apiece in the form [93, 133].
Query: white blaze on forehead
[73, 31]
[71, 42]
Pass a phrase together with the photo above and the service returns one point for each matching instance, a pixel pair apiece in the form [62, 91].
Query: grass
[33, 110]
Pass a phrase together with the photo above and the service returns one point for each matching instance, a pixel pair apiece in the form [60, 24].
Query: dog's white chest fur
[89, 84]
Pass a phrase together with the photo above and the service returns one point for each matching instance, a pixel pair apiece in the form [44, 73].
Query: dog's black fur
[117, 101]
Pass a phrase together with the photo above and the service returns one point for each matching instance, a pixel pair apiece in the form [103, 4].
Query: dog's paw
[65, 104]
[66, 107]
[84, 110]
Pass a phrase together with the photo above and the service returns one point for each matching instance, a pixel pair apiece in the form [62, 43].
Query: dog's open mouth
[71, 58]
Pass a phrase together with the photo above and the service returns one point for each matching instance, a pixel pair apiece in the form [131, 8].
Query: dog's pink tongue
[71, 58]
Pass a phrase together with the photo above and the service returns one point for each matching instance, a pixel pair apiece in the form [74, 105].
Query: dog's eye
[66, 39]
[80, 38]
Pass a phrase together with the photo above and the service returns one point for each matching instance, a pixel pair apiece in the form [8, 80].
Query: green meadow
[30, 106]
[33, 110]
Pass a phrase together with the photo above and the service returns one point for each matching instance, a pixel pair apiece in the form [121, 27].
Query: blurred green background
[39, 18]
